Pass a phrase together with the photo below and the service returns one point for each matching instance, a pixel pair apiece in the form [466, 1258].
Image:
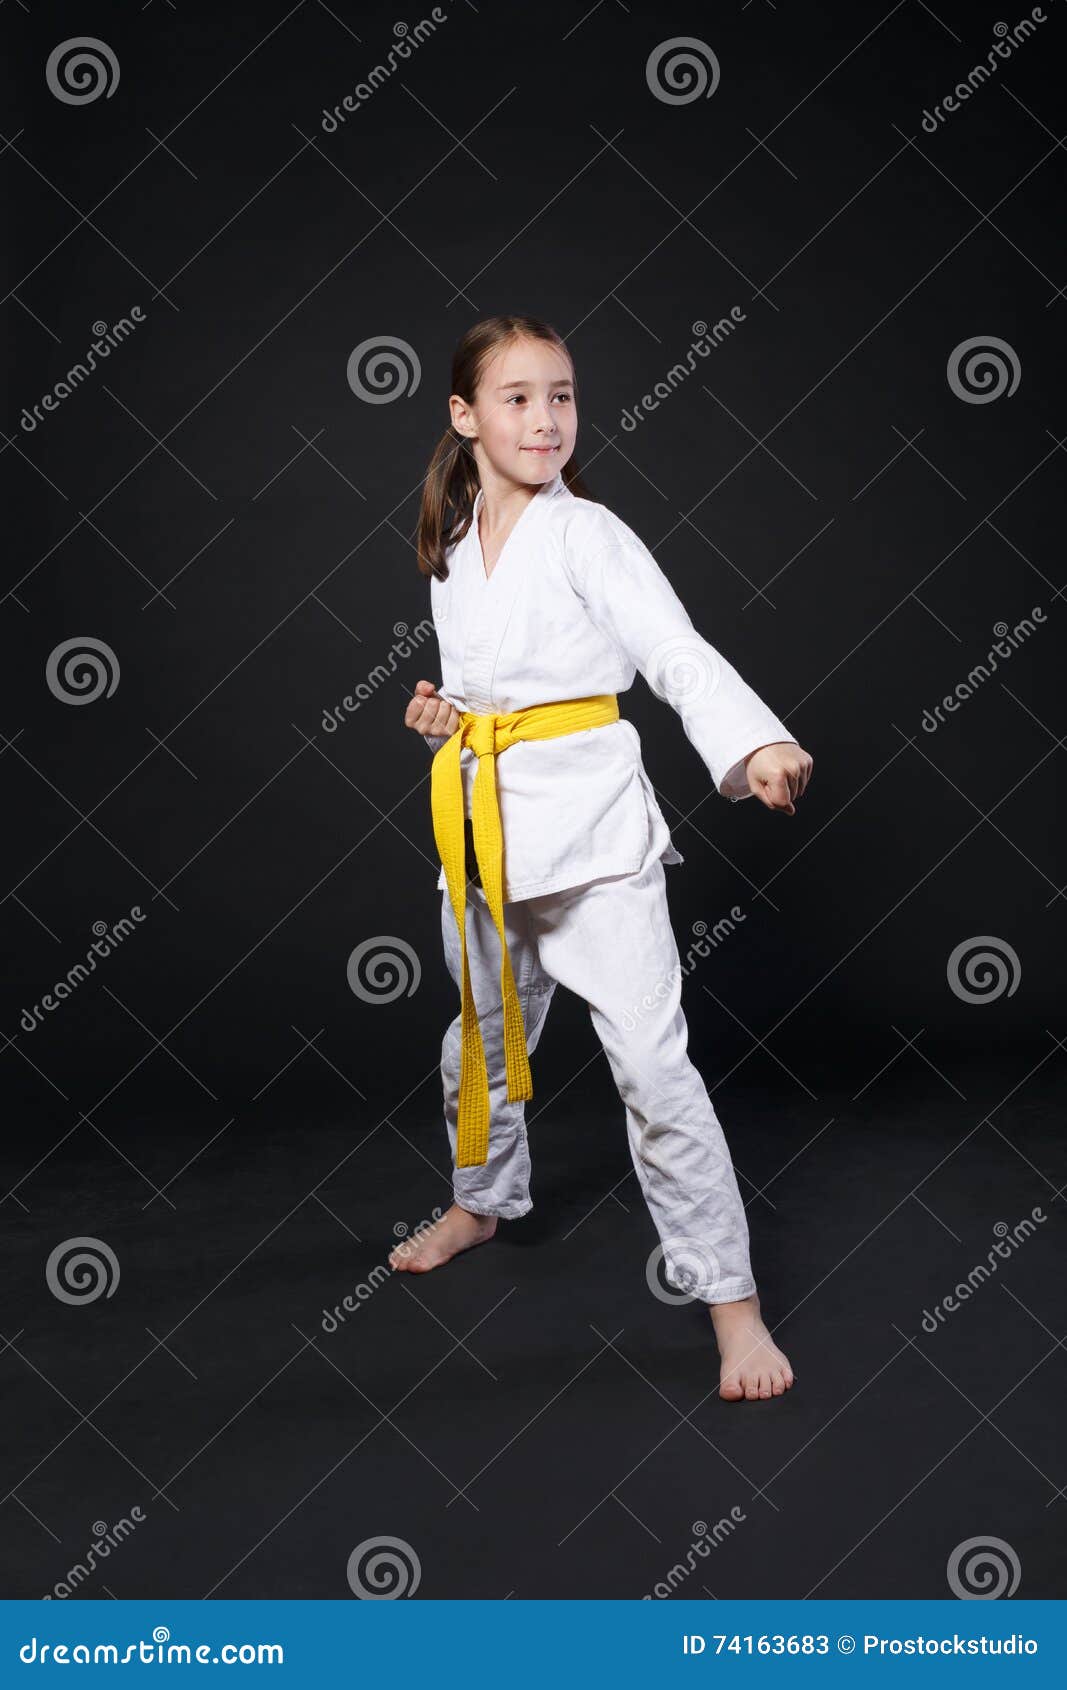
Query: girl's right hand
[429, 713]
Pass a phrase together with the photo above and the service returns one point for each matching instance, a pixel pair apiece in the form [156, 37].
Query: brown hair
[452, 483]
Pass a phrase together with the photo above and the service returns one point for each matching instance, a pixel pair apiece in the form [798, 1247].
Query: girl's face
[523, 418]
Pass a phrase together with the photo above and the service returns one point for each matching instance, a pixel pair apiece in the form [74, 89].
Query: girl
[552, 842]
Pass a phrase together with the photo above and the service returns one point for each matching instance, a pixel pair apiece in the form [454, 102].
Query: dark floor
[532, 1421]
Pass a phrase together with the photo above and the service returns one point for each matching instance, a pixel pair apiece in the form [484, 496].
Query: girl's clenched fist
[429, 713]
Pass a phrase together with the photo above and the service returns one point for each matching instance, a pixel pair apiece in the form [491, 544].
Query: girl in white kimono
[545, 604]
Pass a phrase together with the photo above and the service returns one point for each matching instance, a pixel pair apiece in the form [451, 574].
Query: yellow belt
[487, 735]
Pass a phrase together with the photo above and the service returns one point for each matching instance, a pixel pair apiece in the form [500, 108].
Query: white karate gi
[575, 604]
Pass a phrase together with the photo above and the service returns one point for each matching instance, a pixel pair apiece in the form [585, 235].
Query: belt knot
[483, 733]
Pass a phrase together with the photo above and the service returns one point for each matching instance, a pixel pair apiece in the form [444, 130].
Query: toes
[404, 1261]
[752, 1389]
[764, 1384]
[777, 1384]
[730, 1389]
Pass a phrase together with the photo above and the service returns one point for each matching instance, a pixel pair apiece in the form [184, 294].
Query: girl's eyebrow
[562, 381]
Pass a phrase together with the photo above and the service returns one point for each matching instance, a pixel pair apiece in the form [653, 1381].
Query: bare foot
[752, 1364]
[457, 1230]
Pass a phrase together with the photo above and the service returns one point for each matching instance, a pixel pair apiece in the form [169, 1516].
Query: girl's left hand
[778, 774]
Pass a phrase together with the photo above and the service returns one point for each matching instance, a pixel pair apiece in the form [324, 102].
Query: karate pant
[611, 942]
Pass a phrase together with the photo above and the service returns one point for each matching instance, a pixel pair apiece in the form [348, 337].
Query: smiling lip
[543, 449]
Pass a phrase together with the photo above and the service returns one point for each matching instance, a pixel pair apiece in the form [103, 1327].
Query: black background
[220, 509]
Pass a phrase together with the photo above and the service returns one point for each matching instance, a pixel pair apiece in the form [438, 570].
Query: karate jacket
[575, 604]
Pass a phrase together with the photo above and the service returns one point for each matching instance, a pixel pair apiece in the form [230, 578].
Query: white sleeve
[633, 603]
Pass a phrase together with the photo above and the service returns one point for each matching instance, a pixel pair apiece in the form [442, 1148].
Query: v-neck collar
[540, 500]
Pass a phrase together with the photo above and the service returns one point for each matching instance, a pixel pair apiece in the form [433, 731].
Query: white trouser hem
[509, 1212]
[729, 1291]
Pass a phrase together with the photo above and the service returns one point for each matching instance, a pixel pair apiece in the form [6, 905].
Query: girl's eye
[521, 397]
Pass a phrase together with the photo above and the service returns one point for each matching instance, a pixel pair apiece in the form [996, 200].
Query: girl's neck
[503, 502]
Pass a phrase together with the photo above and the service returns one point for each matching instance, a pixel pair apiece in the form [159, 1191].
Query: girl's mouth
[543, 450]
